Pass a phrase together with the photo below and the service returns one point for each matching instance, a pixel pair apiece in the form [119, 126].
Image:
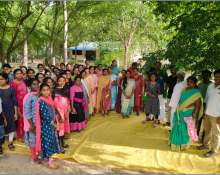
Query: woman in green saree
[127, 99]
[191, 104]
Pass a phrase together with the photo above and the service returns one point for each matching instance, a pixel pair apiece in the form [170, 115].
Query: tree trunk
[1, 52]
[52, 32]
[37, 54]
[126, 58]
[75, 52]
[32, 58]
[65, 33]
[8, 57]
[25, 61]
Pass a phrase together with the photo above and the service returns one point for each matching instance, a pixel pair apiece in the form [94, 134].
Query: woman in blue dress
[29, 118]
[113, 88]
[115, 69]
[47, 126]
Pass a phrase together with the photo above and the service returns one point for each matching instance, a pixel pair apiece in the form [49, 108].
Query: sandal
[103, 115]
[67, 138]
[123, 117]
[107, 114]
[53, 167]
[127, 116]
[155, 125]
[210, 154]
[11, 147]
[78, 132]
[144, 122]
[93, 115]
[66, 146]
[3, 156]
[63, 151]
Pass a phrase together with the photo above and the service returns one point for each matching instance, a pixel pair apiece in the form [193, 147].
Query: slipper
[123, 117]
[103, 115]
[144, 122]
[107, 114]
[66, 146]
[155, 125]
[128, 116]
[3, 156]
[67, 138]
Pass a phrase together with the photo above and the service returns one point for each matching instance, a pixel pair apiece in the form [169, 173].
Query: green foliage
[72, 62]
[195, 45]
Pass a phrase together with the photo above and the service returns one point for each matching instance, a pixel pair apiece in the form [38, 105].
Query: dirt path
[20, 164]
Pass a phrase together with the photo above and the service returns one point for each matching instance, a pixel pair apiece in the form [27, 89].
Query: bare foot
[52, 166]
[37, 161]
[21, 140]
[54, 159]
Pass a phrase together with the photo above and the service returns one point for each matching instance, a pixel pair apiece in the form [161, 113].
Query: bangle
[194, 114]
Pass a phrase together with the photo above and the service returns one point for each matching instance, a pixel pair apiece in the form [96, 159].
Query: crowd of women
[41, 108]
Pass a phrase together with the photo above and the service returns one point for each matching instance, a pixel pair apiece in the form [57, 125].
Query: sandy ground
[20, 164]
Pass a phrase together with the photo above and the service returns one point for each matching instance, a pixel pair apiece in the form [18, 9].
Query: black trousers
[199, 127]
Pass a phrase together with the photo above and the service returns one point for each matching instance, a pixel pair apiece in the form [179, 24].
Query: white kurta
[175, 98]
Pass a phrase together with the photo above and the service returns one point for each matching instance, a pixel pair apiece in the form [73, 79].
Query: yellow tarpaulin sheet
[126, 143]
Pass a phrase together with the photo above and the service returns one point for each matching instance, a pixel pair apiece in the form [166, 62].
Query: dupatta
[103, 81]
[26, 123]
[186, 99]
[125, 103]
[38, 123]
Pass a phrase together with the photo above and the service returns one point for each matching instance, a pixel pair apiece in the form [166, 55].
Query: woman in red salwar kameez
[119, 81]
[104, 93]
[138, 92]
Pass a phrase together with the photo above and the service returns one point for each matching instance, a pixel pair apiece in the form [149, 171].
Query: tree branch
[17, 45]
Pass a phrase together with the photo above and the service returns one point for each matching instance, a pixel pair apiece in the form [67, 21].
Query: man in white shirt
[175, 98]
[212, 117]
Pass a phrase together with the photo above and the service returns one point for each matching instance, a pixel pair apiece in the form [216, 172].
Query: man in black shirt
[170, 83]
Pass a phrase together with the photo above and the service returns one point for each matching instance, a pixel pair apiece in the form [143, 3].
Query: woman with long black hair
[127, 100]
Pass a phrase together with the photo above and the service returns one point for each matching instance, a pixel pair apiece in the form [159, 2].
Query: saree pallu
[179, 138]
[118, 109]
[128, 91]
[88, 80]
[95, 80]
[113, 91]
[115, 70]
[105, 103]
[104, 82]
[85, 92]
[139, 84]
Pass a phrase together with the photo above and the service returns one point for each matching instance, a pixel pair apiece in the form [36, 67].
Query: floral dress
[30, 112]
[49, 138]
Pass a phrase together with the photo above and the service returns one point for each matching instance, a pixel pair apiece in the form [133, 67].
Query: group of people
[42, 107]
[188, 104]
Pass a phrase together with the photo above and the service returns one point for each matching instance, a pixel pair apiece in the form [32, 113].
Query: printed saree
[179, 138]
[128, 91]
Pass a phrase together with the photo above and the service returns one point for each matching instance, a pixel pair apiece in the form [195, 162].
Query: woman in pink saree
[95, 80]
[60, 96]
[21, 90]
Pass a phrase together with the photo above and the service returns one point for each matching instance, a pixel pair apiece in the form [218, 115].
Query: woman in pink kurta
[21, 90]
[60, 96]
[95, 80]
